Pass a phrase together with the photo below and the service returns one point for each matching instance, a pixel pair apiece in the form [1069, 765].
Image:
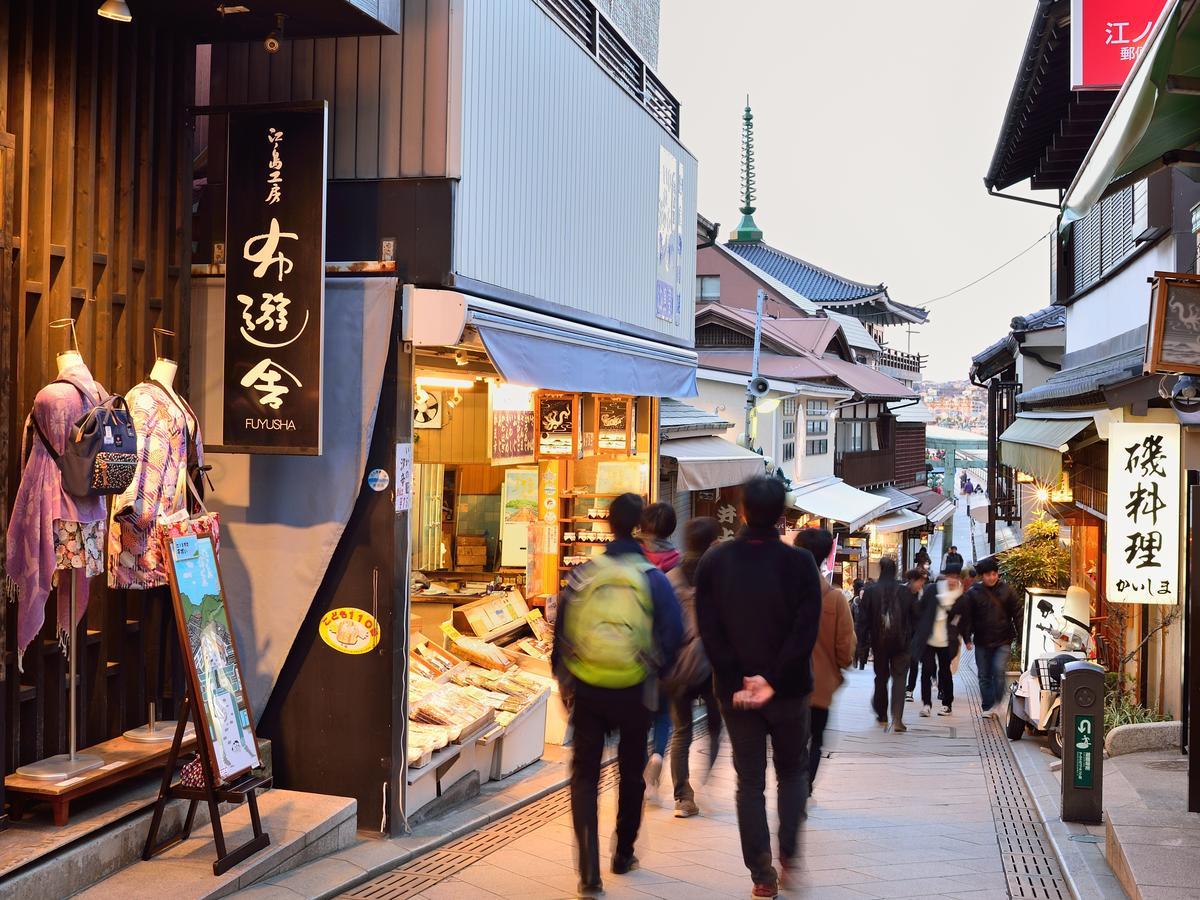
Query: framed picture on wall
[558, 425]
[613, 425]
[1173, 339]
[512, 426]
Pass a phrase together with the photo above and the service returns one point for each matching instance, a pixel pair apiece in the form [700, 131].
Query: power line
[987, 275]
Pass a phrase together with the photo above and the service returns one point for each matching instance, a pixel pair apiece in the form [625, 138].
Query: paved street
[906, 815]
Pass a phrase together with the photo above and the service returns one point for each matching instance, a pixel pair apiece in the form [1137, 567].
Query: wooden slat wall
[462, 440]
[393, 111]
[95, 224]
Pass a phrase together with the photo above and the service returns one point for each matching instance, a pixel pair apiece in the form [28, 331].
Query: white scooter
[1035, 699]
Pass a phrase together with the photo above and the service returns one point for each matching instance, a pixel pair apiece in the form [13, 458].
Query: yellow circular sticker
[350, 630]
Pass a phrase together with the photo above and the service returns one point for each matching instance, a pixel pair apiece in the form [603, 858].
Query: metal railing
[583, 20]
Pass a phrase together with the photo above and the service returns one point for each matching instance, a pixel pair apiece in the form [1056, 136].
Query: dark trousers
[896, 668]
[939, 659]
[597, 712]
[817, 722]
[861, 651]
[785, 721]
[913, 668]
[681, 735]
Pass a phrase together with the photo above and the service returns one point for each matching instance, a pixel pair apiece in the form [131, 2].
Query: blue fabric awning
[540, 351]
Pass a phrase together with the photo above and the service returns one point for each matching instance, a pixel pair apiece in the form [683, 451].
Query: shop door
[7, 389]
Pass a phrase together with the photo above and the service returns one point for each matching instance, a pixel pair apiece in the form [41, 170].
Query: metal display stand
[155, 730]
[66, 765]
[241, 791]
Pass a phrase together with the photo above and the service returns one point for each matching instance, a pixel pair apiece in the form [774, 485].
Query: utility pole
[751, 394]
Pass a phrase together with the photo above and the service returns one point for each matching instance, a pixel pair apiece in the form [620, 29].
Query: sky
[875, 122]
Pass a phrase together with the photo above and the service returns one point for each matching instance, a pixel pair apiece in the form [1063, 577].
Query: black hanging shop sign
[275, 279]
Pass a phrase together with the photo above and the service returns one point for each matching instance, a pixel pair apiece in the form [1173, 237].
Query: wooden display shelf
[123, 759]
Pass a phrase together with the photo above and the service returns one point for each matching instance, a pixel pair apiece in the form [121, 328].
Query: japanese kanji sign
[1083, 745]
[1107, 37]
[275, 280]
[1144, 467]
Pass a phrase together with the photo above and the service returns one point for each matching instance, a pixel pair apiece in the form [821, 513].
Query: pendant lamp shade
[117, 10]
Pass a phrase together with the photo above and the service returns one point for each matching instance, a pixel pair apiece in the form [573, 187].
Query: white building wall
[559, 197]
[1119, 305]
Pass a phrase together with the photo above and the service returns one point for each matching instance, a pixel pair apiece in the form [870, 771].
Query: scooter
[1035, 699]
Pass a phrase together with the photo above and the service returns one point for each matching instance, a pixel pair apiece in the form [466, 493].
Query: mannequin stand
[156, 730]
[66, 765]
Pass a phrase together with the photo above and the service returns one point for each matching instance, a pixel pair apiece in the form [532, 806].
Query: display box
[490, 614]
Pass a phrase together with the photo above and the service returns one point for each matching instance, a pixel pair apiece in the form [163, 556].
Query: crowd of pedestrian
[757, 630]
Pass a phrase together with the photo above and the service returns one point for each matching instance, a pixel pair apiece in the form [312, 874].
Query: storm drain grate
[417, 876]
[1030, 867]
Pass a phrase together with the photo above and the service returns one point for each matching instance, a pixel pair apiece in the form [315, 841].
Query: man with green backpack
[617, 631]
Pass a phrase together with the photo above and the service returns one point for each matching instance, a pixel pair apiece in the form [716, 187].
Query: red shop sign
[1107, 37]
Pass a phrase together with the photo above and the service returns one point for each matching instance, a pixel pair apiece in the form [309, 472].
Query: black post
[1192, 631]
[993, 451]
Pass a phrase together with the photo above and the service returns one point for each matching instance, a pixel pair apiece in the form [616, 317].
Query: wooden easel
[242, 790]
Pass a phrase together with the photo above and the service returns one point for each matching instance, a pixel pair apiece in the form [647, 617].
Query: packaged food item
[481, 653]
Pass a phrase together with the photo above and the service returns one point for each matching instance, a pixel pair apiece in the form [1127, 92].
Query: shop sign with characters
[350, 630]
[1144, 471]
[275, 280]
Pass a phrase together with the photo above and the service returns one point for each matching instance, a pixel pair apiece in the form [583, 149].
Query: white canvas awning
[833, 499]
[708, 461]
[941, 512]
[900, 520]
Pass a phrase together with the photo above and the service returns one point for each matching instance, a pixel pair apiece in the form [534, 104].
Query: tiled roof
[1078, 383]
[795, 298]
[1048, 317]
[863, 380]
[674, 415]
[811, 281]
[856, 332]
[811, 334]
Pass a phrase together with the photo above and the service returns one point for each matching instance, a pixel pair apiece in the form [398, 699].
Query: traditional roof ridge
[873, 288]
[787, 292]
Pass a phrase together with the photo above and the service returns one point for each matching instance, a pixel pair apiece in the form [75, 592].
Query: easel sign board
[223, 715]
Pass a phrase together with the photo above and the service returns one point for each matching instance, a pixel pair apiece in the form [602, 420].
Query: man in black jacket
[888, 607]
[758, 605]
[990, 620]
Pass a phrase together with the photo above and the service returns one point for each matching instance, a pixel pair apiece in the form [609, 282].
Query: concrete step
[303, 827]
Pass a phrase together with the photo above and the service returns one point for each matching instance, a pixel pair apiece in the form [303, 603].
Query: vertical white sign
[1144, 471]
[668, 287]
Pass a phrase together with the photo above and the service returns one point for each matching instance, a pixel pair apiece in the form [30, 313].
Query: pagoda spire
[746, 229]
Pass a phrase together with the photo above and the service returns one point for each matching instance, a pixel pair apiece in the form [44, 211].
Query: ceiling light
[117, 10]
[440, 382]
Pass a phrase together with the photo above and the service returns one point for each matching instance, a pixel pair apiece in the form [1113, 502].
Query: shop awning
[1149, 125]
[941, 512]
[541, 351]
[900, 520]
[832, 498]
[708, 462]
[1036, 446]
[896, 498]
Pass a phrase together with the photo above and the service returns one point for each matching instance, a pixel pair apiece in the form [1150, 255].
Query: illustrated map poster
[211, 657]
[557, 415]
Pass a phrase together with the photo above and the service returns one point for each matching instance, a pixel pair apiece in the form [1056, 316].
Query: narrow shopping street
[935, 812]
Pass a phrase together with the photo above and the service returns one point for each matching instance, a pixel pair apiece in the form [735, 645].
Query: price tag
[71, 781]
[450, 631]
[115, 764]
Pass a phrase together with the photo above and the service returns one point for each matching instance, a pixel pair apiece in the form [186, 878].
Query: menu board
[558, 424]
[614, 422]
[1174, 335]
[512, 427]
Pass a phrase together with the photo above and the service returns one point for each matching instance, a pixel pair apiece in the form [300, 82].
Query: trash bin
[1083, 743]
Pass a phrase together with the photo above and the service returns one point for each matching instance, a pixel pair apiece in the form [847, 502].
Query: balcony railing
[866, 467]
[910, 363]
[591, 29]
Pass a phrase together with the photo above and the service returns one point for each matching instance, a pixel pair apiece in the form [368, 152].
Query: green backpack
[609, 629]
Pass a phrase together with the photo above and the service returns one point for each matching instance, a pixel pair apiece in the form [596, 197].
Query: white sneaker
[926, 710]
[653, 776]
[908, 697]
[945, 711]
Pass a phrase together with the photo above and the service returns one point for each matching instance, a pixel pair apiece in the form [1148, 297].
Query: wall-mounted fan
[427, 409]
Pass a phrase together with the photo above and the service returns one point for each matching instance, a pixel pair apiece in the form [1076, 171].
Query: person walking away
[991, 617]
[617, 631]
[691, 679]
[834, 650]
[888, 607]
[935, 641]
[861, 649]
[917, 580]
[922, 558]
[952, 558]
[657, 525]
[758, 603]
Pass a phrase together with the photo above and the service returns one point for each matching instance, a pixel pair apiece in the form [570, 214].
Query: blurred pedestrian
[935, 639]
[691, 679]
[861, 648]
[758, 602]
[991, 617]
[922, 558]
[617, 632]
[952, 558]
[917, 579]
[888, 607]
[656, 528]
[834, 650]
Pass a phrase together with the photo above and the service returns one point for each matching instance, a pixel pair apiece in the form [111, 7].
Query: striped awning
[1036, 446]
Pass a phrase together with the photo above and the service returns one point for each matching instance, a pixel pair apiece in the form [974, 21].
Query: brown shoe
[899, 727]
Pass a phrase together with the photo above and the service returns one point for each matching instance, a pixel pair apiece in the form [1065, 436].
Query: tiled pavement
[894, 815]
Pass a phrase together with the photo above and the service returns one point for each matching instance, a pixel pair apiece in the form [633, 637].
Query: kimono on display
[165, 426]
[51, 530]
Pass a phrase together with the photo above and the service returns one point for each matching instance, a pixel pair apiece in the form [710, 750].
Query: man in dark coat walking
[991, 617]
[888, 625]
